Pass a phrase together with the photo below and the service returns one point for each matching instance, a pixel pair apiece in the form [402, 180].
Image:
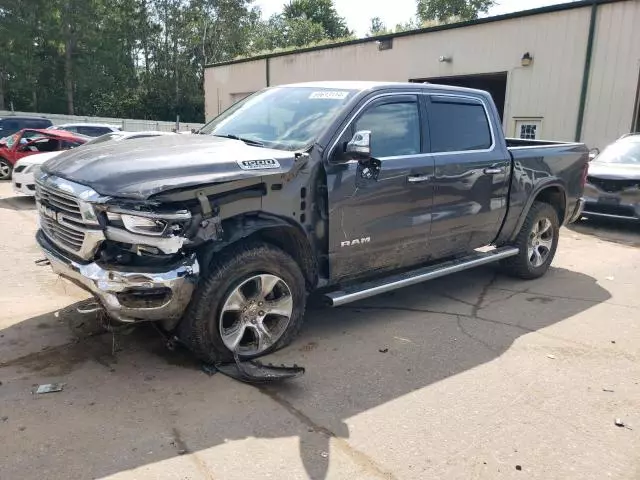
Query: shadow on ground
[616, 231]
[18, 203]
[150, 404]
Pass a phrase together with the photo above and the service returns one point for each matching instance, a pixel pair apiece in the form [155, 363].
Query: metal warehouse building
[566, 72]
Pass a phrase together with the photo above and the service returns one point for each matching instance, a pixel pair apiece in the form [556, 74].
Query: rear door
[381, 222]
[471, 173]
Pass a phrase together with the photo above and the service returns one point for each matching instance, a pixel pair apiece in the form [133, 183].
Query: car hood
[37, 159]
[141, 168]
[614, 171]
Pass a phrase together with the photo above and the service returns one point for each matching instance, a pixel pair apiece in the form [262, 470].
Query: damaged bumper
[129, 295]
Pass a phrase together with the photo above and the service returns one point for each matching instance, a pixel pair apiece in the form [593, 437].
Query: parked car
[613, 183]
[88, 129]
[25, 168]
[32, 141]
[12, 124]
[330, 188]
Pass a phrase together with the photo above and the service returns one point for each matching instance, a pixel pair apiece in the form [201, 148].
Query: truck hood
[614, 171]
[141, 168]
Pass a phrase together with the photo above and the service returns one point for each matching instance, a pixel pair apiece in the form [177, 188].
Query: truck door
[379, 212]
[472, 170]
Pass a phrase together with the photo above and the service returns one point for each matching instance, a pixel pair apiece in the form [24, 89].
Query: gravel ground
[474, 376]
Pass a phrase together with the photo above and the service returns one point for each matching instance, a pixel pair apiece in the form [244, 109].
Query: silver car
[613, 182]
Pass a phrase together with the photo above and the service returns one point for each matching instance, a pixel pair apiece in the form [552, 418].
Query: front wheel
[537, 241]
[5, 169]
[252, 302]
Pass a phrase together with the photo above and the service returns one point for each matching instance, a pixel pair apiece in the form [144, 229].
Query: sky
[359, 12]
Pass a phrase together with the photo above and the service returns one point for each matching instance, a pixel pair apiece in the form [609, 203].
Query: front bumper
[24, 183]
[623, 205]
[130, 296]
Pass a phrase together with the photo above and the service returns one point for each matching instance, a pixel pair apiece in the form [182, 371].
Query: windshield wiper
[248, 141]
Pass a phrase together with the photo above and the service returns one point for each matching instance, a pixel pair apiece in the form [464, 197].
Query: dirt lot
[471, 376]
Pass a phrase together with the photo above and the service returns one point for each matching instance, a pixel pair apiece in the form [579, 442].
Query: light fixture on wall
[445, 59]
[527, 59]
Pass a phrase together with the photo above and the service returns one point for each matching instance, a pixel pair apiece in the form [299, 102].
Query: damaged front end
[130, 256]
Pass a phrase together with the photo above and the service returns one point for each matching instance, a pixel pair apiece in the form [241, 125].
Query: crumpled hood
[614, 171]
[140, 168]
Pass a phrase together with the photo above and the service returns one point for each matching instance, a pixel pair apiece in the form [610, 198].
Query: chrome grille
[66, 216]
[59, 201]
[62, 234]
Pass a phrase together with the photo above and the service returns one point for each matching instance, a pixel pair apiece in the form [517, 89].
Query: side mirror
[593, 153]
[360, 144]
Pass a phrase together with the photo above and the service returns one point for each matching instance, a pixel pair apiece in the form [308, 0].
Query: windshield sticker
[329, 95]
[258, 164]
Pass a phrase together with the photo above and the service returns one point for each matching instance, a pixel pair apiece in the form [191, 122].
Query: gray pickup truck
[342, 190]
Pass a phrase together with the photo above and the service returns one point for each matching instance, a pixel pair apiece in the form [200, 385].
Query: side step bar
[369, 289]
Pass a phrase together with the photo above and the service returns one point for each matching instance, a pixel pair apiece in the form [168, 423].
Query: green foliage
[139, 58]
[446, 9]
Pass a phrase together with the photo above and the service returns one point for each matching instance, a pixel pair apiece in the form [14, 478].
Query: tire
[527, 264]
[212, 313]
[6, 169]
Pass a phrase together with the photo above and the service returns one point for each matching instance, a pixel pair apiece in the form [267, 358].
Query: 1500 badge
[258, 164]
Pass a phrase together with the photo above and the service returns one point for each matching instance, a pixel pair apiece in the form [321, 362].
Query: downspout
[587, 70]
[268, 71]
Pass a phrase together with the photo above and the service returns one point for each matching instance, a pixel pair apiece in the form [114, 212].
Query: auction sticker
[329, 95]
[258, 164]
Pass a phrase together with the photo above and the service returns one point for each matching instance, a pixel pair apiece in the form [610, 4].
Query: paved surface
[482, 377]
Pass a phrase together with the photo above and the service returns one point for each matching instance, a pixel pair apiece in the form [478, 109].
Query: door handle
[420, 178]
[493, 170]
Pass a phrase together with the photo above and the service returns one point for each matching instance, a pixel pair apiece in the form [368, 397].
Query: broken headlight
[154, 224]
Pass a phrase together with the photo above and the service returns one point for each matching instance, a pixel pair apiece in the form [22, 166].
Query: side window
[457, 126]
[395, 129]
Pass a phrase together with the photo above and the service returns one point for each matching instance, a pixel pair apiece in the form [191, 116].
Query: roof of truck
[368, 85]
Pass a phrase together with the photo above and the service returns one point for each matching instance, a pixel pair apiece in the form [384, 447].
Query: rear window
[458, 126]
[93, 131]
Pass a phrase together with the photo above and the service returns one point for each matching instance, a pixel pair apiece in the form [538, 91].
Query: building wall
[547, 91]
[227, 84]
[615, 72]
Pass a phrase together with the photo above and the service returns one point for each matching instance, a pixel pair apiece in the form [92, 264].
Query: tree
[443, 10]
[377, 27]
[321, 12]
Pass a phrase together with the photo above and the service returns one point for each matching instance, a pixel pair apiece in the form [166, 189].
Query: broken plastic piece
[619, 422]
[43, 262]
[255, 372]
[50, 388]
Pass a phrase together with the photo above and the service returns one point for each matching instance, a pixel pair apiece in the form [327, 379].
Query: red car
[31, 141]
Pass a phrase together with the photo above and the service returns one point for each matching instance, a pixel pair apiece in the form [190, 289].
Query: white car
[24, 170]
[88, 129]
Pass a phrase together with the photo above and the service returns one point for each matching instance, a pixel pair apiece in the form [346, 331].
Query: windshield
[10, 140]
[289, 118]
[623, 151]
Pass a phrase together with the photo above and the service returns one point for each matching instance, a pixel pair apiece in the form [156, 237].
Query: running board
[369, 289]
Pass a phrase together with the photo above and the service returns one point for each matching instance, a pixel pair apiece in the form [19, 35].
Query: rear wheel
[5, 169]
[537, 241]
[252, 302]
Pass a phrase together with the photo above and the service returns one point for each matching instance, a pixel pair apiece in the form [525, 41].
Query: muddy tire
[6, 169]
[537, 241]
[252, 300]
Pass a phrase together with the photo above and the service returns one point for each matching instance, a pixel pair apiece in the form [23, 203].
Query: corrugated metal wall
[615, 72]
[548, 90]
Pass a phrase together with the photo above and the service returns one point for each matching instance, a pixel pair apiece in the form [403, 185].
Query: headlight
[149, 224]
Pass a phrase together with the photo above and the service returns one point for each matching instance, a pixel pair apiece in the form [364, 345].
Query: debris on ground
[552, 357]
[383, 350]
[324, 454]
[619, 423]
[519, 467]
[609, 278]
[4, 419]
[607, 390]
[613, 341]
[255, 372]
[209, 369]
[49, 388]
